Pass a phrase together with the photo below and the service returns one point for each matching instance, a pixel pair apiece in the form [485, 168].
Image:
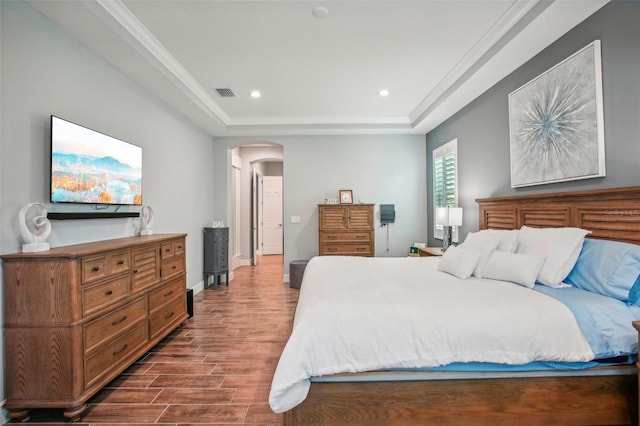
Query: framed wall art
[556, 123]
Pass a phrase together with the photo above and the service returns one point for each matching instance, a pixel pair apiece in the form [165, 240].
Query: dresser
[75, 317]
[216, 255]
[346, 230]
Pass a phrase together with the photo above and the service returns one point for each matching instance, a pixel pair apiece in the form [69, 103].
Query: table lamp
[448, 217]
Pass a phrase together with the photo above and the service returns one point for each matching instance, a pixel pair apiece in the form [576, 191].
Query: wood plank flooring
[217, 370]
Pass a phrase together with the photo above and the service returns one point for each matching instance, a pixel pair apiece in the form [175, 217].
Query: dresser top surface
[79, 250]
[346, 205]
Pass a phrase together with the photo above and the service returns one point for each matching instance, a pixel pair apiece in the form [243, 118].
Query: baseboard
[198, 287]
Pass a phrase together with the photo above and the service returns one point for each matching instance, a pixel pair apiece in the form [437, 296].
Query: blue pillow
[609, 268]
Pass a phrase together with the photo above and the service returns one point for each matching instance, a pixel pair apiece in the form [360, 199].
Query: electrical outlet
[295, 219]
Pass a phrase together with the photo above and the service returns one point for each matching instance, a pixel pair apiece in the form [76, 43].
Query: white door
[272, 215]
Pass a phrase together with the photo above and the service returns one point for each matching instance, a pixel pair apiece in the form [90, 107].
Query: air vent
[225, 93]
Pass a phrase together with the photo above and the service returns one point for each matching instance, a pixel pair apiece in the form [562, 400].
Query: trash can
[296, 271]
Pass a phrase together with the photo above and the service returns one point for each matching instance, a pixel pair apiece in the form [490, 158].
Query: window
[445, 182]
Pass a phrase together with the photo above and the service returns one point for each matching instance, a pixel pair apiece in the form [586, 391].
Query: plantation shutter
[445, 181]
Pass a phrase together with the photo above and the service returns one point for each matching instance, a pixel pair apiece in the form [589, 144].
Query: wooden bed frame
[605, 395]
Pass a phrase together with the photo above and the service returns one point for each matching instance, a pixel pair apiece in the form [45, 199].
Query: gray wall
[482, 128]
[45, 71]
[380, 169]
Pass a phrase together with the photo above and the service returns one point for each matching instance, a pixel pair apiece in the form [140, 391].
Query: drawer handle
[332, 237]
[119, 321]
[174, 267]
[135, 271]
[95, 268]
[361, 237]
[332, 249]
[108, 292]
[361, 249]
[168, 315]
[168, 293]
[120, 262]
[168, 250]
[120, 350]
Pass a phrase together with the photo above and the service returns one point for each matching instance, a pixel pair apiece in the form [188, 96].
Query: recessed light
[383, 92]
[255, 94]
[320, 12]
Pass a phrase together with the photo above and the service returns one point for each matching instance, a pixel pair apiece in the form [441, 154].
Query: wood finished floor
[217, 370]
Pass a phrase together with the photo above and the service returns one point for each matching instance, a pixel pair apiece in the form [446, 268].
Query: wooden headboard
[610, 214]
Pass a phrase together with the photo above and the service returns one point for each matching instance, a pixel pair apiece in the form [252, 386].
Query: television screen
[93, 168]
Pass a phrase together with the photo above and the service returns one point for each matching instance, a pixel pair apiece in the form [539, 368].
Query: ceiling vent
[225, 93]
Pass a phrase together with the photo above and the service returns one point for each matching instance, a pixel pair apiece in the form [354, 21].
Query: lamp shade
[449, 216]
[442, 216]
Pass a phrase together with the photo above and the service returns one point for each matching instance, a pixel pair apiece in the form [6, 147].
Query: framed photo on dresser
[346, 196]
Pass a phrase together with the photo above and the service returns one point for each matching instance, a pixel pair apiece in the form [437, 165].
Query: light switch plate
[295, 219]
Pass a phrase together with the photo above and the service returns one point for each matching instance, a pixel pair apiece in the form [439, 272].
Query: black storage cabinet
[216, 255]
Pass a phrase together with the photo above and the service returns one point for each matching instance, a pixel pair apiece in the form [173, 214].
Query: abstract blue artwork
[556, 123]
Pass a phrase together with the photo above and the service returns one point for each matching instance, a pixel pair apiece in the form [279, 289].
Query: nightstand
[430, 251]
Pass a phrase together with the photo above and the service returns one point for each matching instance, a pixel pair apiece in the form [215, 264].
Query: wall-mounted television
[89, 167]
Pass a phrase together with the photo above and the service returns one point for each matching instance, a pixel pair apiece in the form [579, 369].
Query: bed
[604, 394]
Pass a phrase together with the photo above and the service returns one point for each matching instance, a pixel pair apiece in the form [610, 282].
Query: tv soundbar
[90, 215]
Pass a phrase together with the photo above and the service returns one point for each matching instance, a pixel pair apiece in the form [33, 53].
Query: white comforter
[360, 314]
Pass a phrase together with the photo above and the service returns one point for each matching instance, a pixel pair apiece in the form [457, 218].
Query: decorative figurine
[34, 227]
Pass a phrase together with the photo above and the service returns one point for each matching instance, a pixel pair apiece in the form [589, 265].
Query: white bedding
[359, 314]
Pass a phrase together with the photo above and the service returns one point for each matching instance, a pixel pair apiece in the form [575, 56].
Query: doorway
[267, 230]
[260, 166]
[272, 231]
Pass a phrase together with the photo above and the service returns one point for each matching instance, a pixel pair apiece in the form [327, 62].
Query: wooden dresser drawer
[346, 236]
[119, 262]
[347, 249]
[94, 269]
[166, 315]
[178, 247]
[101, 295]
[172, 268]
[106, 327]
[167, 250]
[112, 355]
[166, 293]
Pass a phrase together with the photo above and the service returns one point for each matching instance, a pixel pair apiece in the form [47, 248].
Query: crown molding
[145, 41]
[319, 120]
[460, 73]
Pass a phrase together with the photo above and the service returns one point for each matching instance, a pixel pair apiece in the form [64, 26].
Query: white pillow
[458, 262]
[507, 238]
[560, 248]
[484, 244]
[521, 269]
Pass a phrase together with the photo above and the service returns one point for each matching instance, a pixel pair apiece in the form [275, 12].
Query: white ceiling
[317, 75]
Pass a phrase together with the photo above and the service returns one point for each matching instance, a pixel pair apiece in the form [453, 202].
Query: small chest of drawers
[346, 230]
[216, 255]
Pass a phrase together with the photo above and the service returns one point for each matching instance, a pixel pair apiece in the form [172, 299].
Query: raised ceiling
[316, 75]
